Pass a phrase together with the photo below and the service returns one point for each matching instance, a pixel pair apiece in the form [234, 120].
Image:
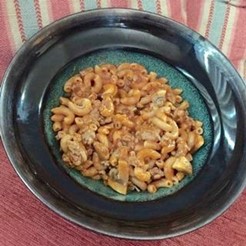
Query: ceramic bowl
[33, 83]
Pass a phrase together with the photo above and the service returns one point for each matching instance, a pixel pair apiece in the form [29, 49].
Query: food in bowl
[126, 126]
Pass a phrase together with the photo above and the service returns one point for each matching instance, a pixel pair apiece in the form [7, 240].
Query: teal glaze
[197, 110]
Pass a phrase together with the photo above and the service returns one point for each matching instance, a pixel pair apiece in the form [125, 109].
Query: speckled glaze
[197, 110]
[206, 76]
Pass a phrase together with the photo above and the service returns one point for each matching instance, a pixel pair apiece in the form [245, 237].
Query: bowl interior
[197, 110]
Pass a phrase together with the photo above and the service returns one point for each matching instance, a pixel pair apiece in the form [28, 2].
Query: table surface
[24, 220]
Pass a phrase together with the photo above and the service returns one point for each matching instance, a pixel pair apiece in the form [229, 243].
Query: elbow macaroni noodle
[127, 127]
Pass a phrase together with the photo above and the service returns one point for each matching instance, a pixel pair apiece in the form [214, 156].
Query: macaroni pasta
[127, 127]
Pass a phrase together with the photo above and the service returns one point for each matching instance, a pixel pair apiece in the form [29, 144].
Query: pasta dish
[127, 127]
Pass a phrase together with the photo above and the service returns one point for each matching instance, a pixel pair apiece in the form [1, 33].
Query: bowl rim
[44, 33]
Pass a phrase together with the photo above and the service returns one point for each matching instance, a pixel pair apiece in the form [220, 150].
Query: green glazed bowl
[197, 110]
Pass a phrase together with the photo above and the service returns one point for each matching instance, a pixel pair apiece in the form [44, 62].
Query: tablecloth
[24, 220]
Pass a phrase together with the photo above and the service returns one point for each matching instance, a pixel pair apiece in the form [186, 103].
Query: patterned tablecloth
[24, 220]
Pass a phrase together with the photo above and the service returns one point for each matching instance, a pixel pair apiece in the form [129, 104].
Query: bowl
[30, 88]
